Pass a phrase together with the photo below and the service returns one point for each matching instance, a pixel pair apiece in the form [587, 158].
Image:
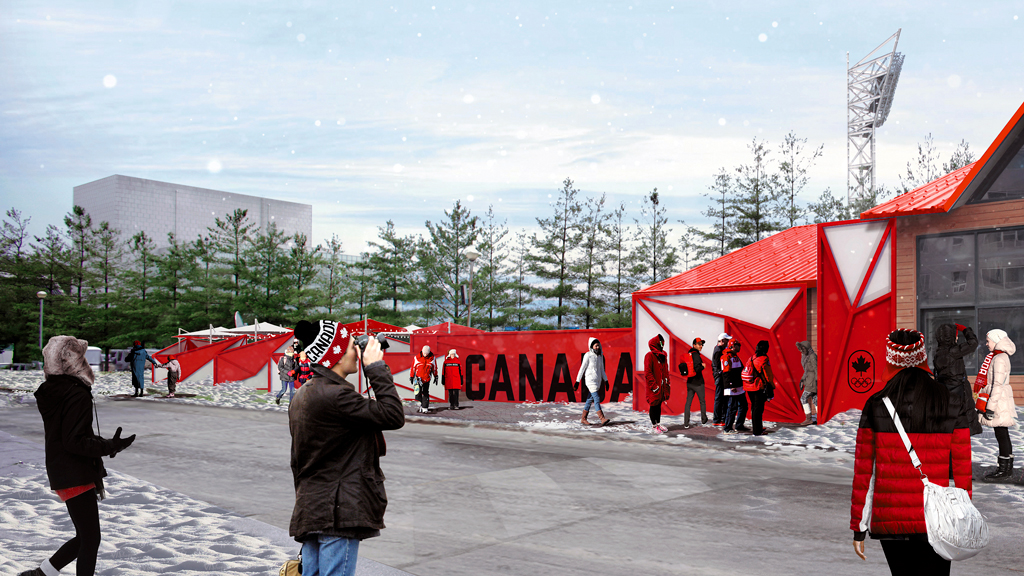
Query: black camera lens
[362, 340]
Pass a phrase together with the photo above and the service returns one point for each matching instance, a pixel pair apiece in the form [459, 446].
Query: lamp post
[471, 255]
[41, 295]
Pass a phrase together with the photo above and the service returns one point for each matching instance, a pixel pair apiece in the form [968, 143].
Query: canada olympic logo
[860, 371]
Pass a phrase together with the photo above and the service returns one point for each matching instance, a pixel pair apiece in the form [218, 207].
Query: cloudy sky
[372, 111]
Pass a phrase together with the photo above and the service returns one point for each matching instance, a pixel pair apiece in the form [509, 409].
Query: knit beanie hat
[904, 348]
[326, 341]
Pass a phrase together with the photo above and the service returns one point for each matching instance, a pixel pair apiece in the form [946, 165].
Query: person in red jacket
[656, 373]
[451, 378]
[423, 369]
[888, 499]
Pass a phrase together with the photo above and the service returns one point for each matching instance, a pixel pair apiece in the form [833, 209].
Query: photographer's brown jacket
[336, 449]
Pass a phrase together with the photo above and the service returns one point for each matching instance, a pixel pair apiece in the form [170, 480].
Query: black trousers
[424, 395]
[757, 401]
[698, 391]
[655, 413]
[913, 558]
[453, 398]
[85, 514]
[1003, 437]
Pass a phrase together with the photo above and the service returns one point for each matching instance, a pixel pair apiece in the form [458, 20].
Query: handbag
[956, 529]
[292, 567]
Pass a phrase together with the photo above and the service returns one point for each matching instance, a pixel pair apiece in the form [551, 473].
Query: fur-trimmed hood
[65, 355]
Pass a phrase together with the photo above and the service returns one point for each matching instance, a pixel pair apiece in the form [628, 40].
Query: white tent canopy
[215, 332]
[258, 328]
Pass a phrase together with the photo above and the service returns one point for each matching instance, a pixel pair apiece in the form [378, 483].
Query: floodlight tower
[870, 87]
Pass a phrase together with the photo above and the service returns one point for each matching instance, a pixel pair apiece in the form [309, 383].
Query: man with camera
[336, 447]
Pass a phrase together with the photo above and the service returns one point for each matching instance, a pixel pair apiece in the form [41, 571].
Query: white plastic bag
[956, 530]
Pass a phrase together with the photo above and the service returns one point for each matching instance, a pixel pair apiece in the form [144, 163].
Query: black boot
[36, 572]
[1005, 469]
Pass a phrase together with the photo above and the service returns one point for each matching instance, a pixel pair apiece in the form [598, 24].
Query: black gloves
[575, 385]
[989, 414]
[120, 443]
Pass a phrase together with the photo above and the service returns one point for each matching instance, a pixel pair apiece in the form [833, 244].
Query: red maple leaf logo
[861, 365]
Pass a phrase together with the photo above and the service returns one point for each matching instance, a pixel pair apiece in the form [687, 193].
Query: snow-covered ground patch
[146, 530]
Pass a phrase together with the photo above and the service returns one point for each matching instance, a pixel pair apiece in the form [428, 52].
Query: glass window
[945, 270]
[932, 319]
[1001, 262]
[1012, 321]
[1009, 185]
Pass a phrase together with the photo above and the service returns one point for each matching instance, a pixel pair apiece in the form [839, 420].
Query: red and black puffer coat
[451, 374]
[656, 372]
[888, 496]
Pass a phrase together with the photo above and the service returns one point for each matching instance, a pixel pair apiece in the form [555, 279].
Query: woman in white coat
[1000, 413]
[593, 375]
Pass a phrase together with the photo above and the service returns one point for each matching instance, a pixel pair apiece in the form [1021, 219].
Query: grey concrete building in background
[132, 205]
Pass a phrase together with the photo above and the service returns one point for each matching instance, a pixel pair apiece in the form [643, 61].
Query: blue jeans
[287, 387]
[329, 556]
[736, 413]
[595, 399]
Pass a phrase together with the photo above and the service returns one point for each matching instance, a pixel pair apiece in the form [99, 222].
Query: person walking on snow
[74, 466]
[337, 443]
[173, 373]
[809, 381]
[995, 399]
[718, 415]
[887, 499]
[287, 368]
[656, 375]
[423, 369]
[694, 382]
[304, 372]
[451, 378]
[137, 361]
[732, 380]
[593, 376]
[950, 371]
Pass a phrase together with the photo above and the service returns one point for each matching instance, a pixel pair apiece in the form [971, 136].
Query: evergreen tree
[393, 266]
[79, 225]
[689, 247]
[104, 325]
[266, 283]
[756, 193]
[443, 264]
[491, 298]
[591, 266]
[51, 255]
[520, 315]
[828, 208]
[924, 169]
[655, 258]
[720, 240]
[142, 274]
[206, 302]
[332, 277]
[360, 286]
[551, 258]
[17, 285]
[302, 266]
[621, 284]
[231, 238]
[174, 267]
[794, 164]
[962, 156]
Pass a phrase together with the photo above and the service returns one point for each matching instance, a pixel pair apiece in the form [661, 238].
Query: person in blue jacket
[137, 362]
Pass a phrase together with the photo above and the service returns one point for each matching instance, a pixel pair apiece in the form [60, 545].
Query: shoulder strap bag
[956, 530]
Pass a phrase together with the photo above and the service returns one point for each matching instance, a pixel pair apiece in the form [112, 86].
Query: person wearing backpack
[718, 414]
[758, 382]
[732, 381]
[692, 367]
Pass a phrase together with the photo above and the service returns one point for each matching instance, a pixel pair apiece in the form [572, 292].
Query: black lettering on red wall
[473, 393]
[500, 381]
[623, 385]
[536, 378]
[561, 381]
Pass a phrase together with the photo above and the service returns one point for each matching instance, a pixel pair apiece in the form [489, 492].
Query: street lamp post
[41, 295]
[471, 255]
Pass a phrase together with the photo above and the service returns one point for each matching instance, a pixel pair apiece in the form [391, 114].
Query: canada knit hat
[904, 348]
[326, 341]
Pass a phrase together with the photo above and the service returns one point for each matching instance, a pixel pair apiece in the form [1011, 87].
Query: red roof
[787, 257]
[945, 193]
[928, 199]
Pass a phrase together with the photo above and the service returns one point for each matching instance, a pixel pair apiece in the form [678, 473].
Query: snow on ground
[146, 530]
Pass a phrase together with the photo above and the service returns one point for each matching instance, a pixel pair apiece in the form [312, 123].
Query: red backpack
[753, 380]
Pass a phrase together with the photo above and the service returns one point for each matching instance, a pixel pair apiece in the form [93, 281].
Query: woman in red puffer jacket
[888, 496]
[656, 375]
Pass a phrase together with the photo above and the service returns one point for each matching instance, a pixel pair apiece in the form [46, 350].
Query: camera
[362, 340]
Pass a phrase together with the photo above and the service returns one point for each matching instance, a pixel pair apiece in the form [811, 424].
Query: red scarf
[982, 380]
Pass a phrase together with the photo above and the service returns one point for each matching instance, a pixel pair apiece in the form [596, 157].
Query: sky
[375, 111]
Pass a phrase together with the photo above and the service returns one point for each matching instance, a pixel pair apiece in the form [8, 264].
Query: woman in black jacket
[950, 370]
[73, 451]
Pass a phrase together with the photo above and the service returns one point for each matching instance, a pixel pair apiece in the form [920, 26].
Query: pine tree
[231, 237]
[551, 259]
[621, 283]
[720, 240]
[332, 280]
[655, 257]
[360, 286]
[141, 276]
[520, 315]
[962, 156]
[16, 284]
[491, 298]
[756, 193]
[105, 327]
[301, 268]
[51, 255]
[793, 167]
[79, 225]
[689, 247]
[443, 262]
[591, 266]
[265, 282]
[393, 266]
[924, 169]
[828, 208]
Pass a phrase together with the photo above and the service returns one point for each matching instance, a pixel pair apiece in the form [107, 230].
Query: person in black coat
[948, 364]
[718, 415]
[73, 451]
[695, 382]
